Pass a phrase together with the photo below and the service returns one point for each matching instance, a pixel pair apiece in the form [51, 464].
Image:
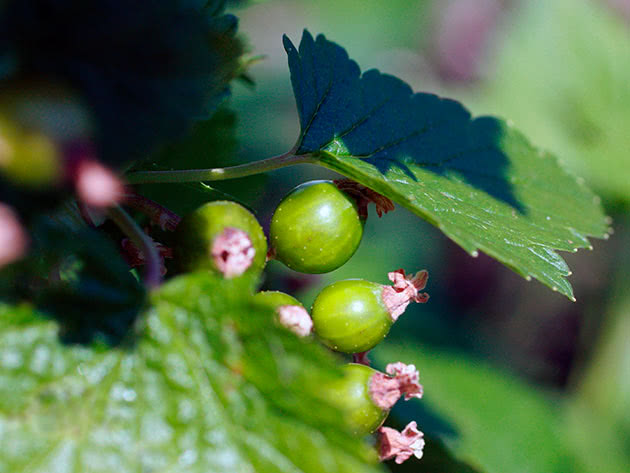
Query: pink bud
[405, 289]
[296, 319]
[13, 237]
[401, 379]
[96, 185]
[233, 252]
[401, 445]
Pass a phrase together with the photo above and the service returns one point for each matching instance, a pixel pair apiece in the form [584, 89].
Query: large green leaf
[208, 384]
[478, 180]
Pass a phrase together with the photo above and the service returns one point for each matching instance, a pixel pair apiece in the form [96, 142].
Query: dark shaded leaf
[75, 275]
[147, 71]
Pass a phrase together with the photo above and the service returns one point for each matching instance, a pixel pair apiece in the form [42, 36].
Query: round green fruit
[316, 228]
[222, 237]
[275, 299]
[351, 394]
[291, 313]
[350, 316]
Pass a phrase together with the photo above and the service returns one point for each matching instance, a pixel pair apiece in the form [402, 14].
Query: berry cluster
[316, 228]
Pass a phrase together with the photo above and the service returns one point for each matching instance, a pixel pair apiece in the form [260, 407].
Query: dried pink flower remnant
[405, 289]
[408, 379]
[363, 196]
[400, 445]
[401, 379]
[96, 185]
[13, 237]
[232, 252]
[296, 319]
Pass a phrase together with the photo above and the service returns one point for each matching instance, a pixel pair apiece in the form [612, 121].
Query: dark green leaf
[211, 385]
[478, 180]
[167, 65]
[76, 276]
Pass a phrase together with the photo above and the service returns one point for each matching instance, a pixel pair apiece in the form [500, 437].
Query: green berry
[275, 299]
[316, 228]
[352, 395]
[222, 237]
[291, 313]
[350, 316]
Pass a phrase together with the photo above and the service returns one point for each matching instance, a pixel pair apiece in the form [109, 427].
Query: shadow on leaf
[378, 118]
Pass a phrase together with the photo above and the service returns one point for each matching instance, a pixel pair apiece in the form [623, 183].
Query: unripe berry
[316, 228]
[366, 395]
[223, 237]
[354, 315]
[291, 313]
[352, 395]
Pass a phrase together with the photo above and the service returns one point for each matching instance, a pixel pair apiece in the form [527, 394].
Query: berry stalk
[218, 174]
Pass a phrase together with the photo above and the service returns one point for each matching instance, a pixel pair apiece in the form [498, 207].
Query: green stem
[152, 275]
[217, 174]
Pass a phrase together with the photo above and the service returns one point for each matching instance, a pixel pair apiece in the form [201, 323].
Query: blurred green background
[517, 378]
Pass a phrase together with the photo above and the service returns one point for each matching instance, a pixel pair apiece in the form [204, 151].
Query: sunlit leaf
[208, 384]
[478, 180]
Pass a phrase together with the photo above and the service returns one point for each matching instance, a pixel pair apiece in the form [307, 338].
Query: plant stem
[159, 215]
[152, 275]
[218, 174]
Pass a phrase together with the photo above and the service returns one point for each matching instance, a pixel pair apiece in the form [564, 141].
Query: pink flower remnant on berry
[13, 237]
[400, 380]
[405, 290]
[232, 252]
[400, 445]
[296, 319]
[363, 196]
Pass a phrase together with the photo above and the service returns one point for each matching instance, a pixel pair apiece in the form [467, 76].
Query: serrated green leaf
[479, 180]
[211, 384]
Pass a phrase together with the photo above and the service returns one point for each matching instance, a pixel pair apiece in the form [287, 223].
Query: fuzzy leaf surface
[479, 180]
[208, 384]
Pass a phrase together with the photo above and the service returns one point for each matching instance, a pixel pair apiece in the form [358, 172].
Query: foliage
[207, 383]
[478, 180]
[99, 372]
